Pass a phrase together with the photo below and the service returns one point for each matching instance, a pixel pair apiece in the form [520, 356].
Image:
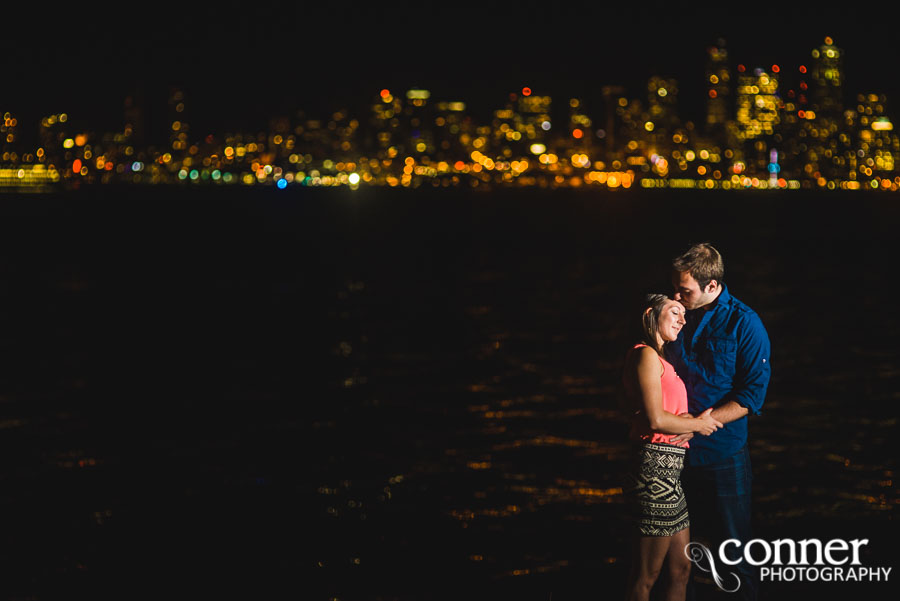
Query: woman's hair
[653, 307]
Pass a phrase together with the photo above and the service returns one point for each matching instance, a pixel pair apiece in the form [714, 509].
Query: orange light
[828, 41]
[526, 91]
[577, 134]
[76, 166]
[713, 94]
[459, 165]
[742, 68]
[775, 68]
[801, 114]
[802, 68]
[385, 93]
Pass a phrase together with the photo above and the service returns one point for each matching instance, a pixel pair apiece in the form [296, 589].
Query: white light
[545, 126]
[354, 178]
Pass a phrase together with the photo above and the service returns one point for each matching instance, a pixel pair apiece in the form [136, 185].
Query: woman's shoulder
[642, 354]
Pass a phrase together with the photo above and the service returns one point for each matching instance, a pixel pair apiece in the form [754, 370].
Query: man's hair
[653, 306]
[703, 262]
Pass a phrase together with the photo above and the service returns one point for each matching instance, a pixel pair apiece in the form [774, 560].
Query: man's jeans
[718, 498]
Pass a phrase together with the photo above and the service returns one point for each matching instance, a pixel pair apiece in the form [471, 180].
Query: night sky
[241, 63]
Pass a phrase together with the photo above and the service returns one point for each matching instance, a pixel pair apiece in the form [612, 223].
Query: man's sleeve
[752, 368]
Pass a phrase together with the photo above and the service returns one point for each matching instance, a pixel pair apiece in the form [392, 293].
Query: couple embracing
[701, 368]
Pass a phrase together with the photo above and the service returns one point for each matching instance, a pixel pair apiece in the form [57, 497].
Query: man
[722, 354]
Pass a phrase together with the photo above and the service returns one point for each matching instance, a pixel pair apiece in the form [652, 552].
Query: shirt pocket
[718, 355]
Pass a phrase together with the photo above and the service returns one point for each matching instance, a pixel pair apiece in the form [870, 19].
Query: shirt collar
[724, 297]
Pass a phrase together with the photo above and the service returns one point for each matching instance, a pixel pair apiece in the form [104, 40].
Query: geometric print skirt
[656, 500]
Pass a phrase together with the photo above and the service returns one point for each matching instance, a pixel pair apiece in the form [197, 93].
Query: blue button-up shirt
[722, 354]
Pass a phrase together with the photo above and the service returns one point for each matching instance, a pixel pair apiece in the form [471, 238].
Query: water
[406, 394]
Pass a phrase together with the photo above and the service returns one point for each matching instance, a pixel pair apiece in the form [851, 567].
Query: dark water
[407, 394]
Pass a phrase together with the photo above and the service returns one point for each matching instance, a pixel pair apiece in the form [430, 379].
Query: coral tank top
[674, 396]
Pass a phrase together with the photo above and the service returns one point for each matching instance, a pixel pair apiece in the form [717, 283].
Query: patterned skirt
[653, 490]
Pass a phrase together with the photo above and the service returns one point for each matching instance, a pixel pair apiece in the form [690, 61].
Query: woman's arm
[649, 372]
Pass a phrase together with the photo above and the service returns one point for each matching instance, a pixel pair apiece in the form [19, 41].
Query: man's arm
[752, 371]
[729, 412]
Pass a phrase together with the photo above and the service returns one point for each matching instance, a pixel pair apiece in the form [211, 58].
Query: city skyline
[784, 124]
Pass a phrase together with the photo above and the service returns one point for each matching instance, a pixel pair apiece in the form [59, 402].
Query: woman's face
[671, 320]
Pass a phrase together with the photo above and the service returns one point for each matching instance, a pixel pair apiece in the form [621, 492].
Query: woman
[658, 402]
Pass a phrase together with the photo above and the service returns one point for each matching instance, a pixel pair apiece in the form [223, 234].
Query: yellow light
[418, 94]
[882, 125]
[662, 92]
[689, 155]
[538, 149]
[713, 79]
[649, 125]
[68, 143]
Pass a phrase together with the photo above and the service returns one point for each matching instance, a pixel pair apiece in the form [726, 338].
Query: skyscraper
[718, 87]
[827, 79]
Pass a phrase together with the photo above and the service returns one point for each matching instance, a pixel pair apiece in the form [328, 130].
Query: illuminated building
[533, 118]
[827, 80]
[579, 134]
[718, 84]
[757, 108]
[451, 124]
[417, 125]
[877, 144]
[504, 131]
[518, 129]
[757, 104]
[662, 113]
[179, 128]
[51, 137]
[8, 129]
[386, 112]
[822, 131]
[633, 133]
[611, 95]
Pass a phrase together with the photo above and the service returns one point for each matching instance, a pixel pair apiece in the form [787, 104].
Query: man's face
[689, 293]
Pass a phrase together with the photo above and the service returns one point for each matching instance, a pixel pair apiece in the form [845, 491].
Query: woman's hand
[684, 437]
[706, 424]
